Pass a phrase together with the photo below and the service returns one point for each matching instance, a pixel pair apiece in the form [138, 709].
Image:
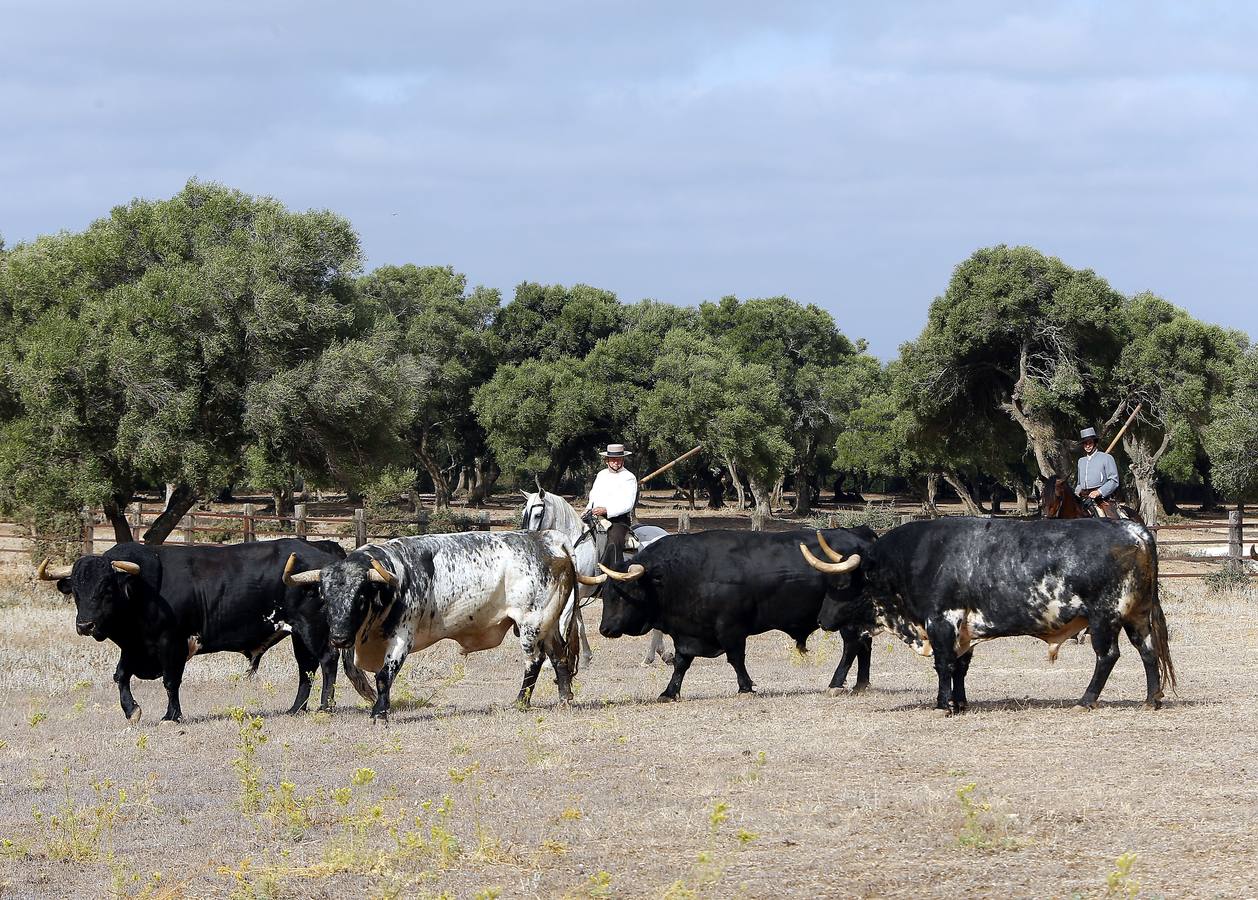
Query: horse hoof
[646, 662]
[134, 718]
[746, 695]
[1152, 705]
[666, 659]
[860, 687]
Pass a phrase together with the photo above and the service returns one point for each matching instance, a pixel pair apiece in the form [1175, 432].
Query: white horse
[544, 510]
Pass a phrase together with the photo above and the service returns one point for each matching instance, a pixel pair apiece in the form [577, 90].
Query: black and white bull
[710, 591]
[164, 605]
[389, 600]
[946, 585]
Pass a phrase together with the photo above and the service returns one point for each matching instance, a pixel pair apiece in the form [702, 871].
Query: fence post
[683, 523]
[247, 523]
[1235, 537]
[137, 519]
[89, 532]
[482, 521]
[905, 518]
[421, 519]
[186, 525]
[299, 519]
[757, 521]
[360, 527]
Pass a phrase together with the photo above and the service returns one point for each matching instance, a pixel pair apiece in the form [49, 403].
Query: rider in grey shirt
[1098, 473]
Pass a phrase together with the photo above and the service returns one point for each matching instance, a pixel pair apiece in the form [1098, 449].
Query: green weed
[1121, 882]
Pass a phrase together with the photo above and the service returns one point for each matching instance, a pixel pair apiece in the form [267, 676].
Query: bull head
[839, 565]
[300, 579]
[43, 573]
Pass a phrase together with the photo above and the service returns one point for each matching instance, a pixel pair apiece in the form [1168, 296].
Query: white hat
[615, 451]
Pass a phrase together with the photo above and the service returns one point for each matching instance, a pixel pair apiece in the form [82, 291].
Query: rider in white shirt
[613, 497]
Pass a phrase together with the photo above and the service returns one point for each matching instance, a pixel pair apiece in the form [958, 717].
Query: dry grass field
[787, 793]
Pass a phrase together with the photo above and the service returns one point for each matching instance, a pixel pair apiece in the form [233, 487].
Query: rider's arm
[1109, 474]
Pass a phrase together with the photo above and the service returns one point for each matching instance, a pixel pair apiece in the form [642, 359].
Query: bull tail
[572, 635]
[1161, 639]
[1157, 625]
[357, 677]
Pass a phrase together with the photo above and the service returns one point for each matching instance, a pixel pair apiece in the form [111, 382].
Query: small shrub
[878, 516]
[1120, 883]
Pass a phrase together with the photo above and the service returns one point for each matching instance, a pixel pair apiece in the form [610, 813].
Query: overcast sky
[847, 155]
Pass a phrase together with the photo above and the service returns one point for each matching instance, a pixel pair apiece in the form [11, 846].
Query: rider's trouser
[617, 531]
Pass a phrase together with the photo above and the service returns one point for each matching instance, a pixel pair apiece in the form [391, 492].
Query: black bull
[163, 605]
[946, 585]
[709, 591]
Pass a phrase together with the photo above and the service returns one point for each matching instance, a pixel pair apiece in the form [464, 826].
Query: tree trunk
[762, 494]
[440, 483]
[181, 500]
[1052, 455]
[116, 512]
[775, 495]
[928, 489]
[737, 482]
[954, 480]
[803, 490]
[1024, 501]
[483, 484]
[283, 499]
[1143, 458]
[714, 486]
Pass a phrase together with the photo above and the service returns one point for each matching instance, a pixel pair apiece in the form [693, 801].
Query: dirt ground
[789, 793]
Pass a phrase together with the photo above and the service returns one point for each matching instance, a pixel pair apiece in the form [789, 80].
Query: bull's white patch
[194, 645]
[970, 628]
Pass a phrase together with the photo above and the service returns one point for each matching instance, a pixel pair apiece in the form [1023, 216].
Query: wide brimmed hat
[615, 451]
[1088, 433]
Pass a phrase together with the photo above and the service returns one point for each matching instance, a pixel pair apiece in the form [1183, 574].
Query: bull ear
[63, 585]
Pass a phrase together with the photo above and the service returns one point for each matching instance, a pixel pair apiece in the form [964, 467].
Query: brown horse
[1058, 501]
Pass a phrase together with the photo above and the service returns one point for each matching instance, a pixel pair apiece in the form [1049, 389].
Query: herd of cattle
[942, 586]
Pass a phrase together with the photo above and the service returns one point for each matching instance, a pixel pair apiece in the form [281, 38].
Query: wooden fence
[1226, 538]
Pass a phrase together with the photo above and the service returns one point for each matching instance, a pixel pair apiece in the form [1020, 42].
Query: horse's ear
[541, 491]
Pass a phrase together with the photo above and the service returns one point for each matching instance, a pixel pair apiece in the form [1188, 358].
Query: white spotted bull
[389, 600]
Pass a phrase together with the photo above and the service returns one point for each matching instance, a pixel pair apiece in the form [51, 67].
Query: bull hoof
[666, 659]
[1083, 707]
[134, 718]
[746, 695]
[941, 713]
[835, 692]
[564, 701]
[168, 723]
[1152, 704]
[860, 687]
[667, 698]
[650, 660]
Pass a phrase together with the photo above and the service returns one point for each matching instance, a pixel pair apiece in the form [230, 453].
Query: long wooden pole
[664, 468]
[1131, 418]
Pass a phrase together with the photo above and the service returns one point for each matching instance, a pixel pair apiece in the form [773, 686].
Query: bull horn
[43, 573]
[125, 567]
[635, 572]
[300, 579]
[828, 550]
[590, 579]
[830, 568]
[382, 575]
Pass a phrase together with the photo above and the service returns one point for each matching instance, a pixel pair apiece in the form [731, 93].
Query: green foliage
[1121, 882]
[1231, 438]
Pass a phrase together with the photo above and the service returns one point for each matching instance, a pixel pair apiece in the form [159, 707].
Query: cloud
[842, 154]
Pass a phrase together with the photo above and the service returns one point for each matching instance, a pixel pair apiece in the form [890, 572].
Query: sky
[843, 154]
